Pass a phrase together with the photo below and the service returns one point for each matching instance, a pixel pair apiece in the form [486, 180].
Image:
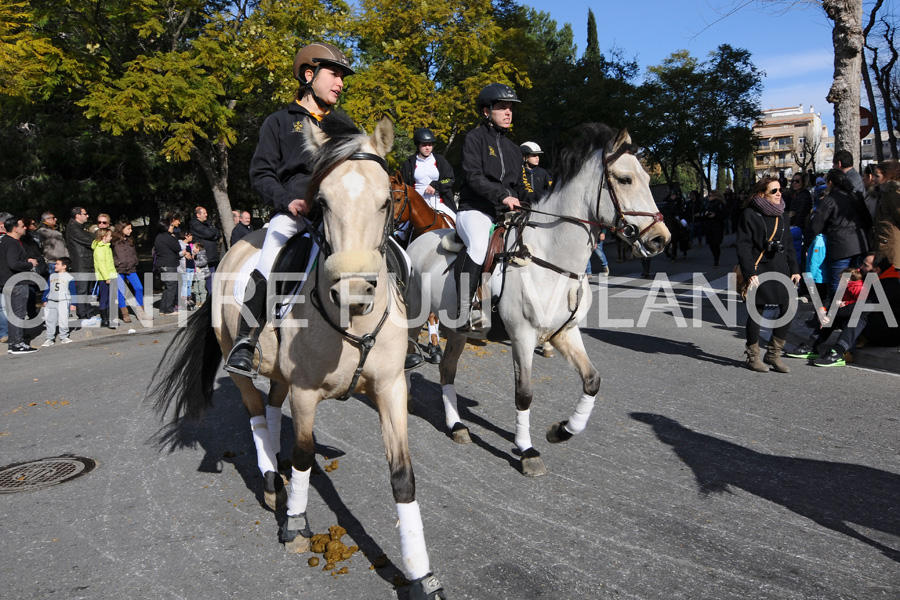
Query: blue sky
[793, 47]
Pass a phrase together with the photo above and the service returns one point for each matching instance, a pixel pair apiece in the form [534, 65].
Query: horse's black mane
[343, 140]
[594, 137]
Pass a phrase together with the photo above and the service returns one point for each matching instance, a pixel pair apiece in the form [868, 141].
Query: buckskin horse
[351, 307]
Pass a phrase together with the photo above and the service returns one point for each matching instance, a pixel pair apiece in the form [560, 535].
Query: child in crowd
[59, 300]
[186, 268]
[201, 272]
[845, 309]
[105, 270]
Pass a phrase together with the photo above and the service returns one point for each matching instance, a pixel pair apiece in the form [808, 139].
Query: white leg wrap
[523, 429]
[578, 420]
[273, 420]
[432, 329]
[450, 410]
[265, 457]
[299, 492]
[412, 540]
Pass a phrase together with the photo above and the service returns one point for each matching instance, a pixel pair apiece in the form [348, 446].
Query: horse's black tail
[186, 373]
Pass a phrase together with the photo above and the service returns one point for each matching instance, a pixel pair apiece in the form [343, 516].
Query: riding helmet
[495, 92]
[423, 136]
[321, 54]
[530, 148]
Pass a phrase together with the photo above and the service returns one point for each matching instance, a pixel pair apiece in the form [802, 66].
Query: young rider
[280, 171]
[430, 173]
[492, 184]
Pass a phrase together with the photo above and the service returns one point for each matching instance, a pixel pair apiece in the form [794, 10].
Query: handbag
[743, 285]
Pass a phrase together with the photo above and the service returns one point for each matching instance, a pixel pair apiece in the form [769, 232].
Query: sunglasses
[773, 192]
[795, 181]
[103, 222]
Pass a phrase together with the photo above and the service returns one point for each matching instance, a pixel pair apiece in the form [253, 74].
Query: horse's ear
[622, 138]
[314, 137]
[383, 137]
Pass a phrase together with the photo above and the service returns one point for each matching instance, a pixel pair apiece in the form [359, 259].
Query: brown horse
[410, 207]
[321, 349]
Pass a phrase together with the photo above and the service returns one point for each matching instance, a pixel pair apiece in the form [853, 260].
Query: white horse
[599, 184]
[351, 306]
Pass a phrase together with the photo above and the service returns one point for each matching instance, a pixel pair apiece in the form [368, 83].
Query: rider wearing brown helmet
[280, 171]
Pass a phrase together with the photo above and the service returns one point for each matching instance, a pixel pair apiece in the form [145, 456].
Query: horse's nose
[355, 295]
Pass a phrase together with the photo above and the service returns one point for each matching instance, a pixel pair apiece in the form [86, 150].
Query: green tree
[218, 66]
[423, 63]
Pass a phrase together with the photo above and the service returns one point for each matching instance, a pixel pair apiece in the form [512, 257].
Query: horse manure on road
[332, 549]
[331, 466]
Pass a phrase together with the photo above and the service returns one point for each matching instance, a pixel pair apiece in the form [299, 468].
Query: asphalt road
[694, 479]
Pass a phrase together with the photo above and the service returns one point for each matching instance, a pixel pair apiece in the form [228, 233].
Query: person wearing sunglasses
[764, 245]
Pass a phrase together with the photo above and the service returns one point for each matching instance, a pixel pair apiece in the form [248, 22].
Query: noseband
[628, 230]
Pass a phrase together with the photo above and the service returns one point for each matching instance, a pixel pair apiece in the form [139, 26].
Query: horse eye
[387, 204]
[624, 180]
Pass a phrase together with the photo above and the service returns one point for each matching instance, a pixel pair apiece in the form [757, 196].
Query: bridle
[416, 231]
[312, 191]
[366, 341]
[630, 231]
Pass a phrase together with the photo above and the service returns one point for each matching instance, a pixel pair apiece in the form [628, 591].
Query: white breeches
[474, 229]
[282, 227]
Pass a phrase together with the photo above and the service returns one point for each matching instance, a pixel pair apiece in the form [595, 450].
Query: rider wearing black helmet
[492, 184]
[280, 171]
[430, 173]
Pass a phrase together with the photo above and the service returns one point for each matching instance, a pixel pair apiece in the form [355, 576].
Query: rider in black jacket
[492, 184]
[537, 179]
[280, 171]
[442, 186]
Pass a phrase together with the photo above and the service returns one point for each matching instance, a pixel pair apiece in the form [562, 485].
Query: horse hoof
[298, 545]
[274, 491]
[284, 464]
[532, 465]
[460, 434]
[295, 534]
[426, 588]
[557, 433]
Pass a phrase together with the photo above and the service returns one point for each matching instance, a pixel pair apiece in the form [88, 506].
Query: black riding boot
[240, 359]
[464, 264]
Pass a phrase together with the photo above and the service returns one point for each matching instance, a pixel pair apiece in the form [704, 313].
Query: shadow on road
[224, 436]
[834, 495]
[648, 344]
[427, 403]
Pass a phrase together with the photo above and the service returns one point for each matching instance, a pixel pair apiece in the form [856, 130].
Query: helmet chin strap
[308, 89]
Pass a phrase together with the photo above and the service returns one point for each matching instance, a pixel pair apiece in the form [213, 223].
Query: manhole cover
[44, 472]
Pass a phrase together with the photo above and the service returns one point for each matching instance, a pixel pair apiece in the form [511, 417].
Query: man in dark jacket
[843, 160]
[207, 235]
[12, 262]
[241, 228]
[78, 242]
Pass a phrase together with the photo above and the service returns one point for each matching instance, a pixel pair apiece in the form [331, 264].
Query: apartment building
[790, 140]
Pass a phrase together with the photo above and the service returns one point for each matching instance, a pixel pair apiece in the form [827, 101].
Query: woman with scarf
[765, 245]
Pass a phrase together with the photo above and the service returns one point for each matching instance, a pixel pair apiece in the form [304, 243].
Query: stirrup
[237, 370]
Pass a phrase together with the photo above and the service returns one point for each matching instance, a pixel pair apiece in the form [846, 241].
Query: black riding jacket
[491, 171]
[537, 179]
[281, 167]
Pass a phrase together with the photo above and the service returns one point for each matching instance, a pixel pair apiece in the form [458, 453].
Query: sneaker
[47, 343]
[92, 322]
[65, 341]
[804, 350]
[832, 359]
[21, 349]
